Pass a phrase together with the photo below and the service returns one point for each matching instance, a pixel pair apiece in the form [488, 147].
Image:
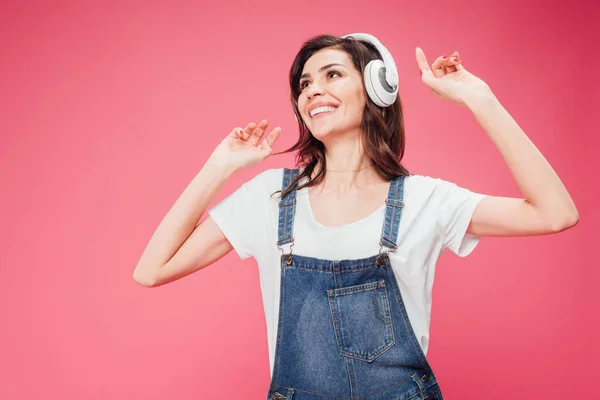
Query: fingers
[458, 63]
[242, 133]
[253, 133]
[258, 132]
[247, 131]
[438, 66]
[422, 60]
[271, 138]
[441, 66]
[446, 64]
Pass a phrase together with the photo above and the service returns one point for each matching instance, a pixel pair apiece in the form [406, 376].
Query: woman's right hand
[241, 149]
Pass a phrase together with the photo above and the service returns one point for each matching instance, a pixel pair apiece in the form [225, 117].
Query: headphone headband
[391, 73]
[381, 76]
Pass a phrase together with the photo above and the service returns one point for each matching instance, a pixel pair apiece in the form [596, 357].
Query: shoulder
[268, 180]
[424, 186]
[437, 192]
[268, 175]
[430, 185]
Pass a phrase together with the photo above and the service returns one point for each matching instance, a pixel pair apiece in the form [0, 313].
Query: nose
[313, 90]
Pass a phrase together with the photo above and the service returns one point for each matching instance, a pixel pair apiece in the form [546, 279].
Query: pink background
[109, 109]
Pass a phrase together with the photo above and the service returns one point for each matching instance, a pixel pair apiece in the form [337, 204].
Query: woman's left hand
[449, 80]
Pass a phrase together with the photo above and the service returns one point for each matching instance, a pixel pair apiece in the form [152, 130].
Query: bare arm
[547, 207]
[179, 247]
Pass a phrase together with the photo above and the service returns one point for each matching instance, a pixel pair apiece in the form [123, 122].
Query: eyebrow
[306, 75]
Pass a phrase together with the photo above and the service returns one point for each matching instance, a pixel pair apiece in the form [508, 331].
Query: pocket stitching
[378, 288]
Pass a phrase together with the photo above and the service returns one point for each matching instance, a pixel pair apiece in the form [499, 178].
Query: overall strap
[287, 209]
[393, 212]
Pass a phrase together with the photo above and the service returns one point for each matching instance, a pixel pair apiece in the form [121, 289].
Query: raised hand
[243, 148]
[449, 80]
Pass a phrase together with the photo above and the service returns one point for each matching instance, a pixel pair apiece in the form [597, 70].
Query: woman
[347, 251]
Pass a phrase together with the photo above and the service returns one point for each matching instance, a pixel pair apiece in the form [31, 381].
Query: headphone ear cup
[379, 91]
[369, 83]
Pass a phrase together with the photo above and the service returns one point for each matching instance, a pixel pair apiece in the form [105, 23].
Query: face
[339, 85]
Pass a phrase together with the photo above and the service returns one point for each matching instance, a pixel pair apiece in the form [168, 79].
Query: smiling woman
[347, 251]
[328, 71]
[344, 93]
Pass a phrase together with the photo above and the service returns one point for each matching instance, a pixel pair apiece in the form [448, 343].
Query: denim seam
[347, 397]
[330, 272]
[406, 320]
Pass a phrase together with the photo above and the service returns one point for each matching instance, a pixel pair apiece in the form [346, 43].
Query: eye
[302, 86]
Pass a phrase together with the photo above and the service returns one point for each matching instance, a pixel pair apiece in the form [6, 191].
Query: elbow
[144, 279]
[566, 223]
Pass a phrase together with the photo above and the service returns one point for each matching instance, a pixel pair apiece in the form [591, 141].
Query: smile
[320, 112]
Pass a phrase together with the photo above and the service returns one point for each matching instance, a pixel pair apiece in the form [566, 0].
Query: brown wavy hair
[382, 128]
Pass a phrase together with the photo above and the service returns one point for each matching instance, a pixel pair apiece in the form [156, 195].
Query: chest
[332, 210]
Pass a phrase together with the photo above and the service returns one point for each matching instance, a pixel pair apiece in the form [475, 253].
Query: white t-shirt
[435, 219]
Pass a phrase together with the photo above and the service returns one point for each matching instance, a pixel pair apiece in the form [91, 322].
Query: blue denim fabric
[343, 330]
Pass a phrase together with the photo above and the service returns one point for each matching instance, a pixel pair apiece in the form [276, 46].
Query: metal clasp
[288, 257]
[379, 259]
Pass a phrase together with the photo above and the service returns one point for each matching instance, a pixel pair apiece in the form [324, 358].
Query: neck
[342, 175]
[344, 152]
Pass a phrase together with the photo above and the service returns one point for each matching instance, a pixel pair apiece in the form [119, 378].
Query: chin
[323, 134]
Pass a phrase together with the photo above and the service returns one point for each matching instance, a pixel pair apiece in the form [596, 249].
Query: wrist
[219, 166]
[482, 100]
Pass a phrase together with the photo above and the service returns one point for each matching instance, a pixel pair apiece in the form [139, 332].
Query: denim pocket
[362, 320]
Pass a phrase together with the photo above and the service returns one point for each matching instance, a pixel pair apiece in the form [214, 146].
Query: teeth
[321, 109]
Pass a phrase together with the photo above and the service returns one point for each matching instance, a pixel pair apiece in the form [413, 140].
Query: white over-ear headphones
[381, 76]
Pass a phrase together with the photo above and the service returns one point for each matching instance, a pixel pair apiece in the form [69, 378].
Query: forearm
[538, 182]
[182, 218]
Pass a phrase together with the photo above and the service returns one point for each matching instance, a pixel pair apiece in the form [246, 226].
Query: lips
[320, 104]
[323, 114]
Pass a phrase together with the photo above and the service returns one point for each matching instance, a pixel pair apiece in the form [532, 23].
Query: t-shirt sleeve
[457, 205]
[241, 215]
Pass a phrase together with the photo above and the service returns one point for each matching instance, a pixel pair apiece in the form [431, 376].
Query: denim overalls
[343, 330]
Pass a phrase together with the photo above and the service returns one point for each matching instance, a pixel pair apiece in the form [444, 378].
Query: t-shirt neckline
[305, 197]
